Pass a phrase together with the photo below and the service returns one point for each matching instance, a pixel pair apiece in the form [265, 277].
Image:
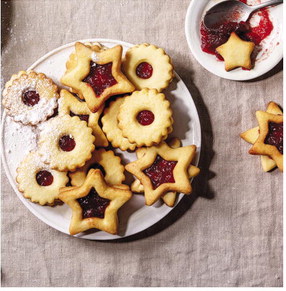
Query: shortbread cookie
[270, 139]
[145, 117]
[30, 97]
[163, 169]
[236, 52]
[97, 75]
[106, 161]
[148, 66]
[65, 142]
[38, 182]
[111, 129]
[95, 204]
[70, 105]
[252, 135]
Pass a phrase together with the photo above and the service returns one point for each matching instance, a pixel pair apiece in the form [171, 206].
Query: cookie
[251, 136]
[94, 204]
[68, 104]
[236, 52]
[145, 117]
[38, 182]
[111, 129]
[163, 169]
[30, 97]
[65, 142]
[97, 75]
[109, 164]
[148, 66]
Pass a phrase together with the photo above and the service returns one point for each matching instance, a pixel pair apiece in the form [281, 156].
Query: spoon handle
[265, 4]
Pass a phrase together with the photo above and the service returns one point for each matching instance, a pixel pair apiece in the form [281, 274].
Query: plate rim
[233, 77]
[26, 202]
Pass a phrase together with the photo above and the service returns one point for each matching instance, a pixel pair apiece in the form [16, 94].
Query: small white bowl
[270, 55]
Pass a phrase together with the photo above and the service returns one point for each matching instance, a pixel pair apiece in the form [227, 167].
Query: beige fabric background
[228, 233]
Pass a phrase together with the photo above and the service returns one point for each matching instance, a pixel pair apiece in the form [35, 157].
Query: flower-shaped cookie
[148, 66]
[162, 169]
[30, 97]
[106, 161]
[252, 135]
[38, 182]
[65, 142]
[97, 75]
[68, 104]
[95, 204]
[145, 117]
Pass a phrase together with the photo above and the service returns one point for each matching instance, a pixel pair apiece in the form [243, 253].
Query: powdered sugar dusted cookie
[30, 97]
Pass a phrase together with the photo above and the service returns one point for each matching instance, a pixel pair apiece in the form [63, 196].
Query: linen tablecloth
[227, 233]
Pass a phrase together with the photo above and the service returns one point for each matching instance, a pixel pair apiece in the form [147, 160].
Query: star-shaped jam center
[275, 135]
[93, 205]
[161, 171]
[100, 77]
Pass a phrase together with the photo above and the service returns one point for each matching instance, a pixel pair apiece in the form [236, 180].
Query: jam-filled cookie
[111, 129]
[163, 169]
[97, 75]
[69, 104]
[145, 117]
[65, 142]
[107, 162]
[38, 182]
[30, 97]
[95, 204]
[148, 66]
[252, 135]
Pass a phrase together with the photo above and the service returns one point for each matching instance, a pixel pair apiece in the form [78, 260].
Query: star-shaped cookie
[97, 75]
[95, 204]
[163, 169]
[236, 52]
[252, 135]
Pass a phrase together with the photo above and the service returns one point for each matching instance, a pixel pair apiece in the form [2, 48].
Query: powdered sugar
[94, 57]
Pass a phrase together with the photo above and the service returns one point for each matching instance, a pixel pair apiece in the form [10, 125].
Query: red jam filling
[100, 77]
[44, 178]
[93, 205]
[212, 38]
[145, 117]
[144, 70]
[97, 166]
[83, 117]
[275, 135]
[30, 98]
[67, 143]
[160, 172]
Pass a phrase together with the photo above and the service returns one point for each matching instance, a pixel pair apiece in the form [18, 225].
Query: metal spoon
[232, 10]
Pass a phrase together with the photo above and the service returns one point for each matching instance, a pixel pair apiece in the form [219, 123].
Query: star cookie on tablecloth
[95, 204]
[97, 75]
[236, 52]
[162, 169]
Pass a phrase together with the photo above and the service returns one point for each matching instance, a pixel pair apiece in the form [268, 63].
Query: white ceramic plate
[268, 58]
[134, 216]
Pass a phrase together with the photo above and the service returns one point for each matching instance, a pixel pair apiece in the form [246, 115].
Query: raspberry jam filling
[97, 166]
[145, 117]
[160, 172]
[44, 178]
[83, 117]
[214, 37]
[100, 77]
[30, 98]
[275, 135]
[93, 205]
[144, 70]
[67, 143]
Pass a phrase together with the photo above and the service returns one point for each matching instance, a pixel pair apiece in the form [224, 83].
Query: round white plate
[268, 58]
[134, 216]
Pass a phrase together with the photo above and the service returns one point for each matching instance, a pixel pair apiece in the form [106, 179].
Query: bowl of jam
[264, 29]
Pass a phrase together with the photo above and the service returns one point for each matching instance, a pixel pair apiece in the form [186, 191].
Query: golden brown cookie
[95, 204]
